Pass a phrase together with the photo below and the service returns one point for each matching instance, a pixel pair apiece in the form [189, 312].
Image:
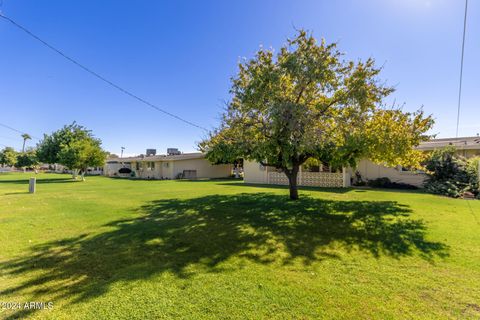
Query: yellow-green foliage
[305, 102]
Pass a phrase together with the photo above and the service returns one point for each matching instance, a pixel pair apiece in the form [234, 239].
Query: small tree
[306, 102]
[8, 157]
[74, 147]
[27, 159]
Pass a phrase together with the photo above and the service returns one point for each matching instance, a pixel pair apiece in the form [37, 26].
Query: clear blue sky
[181, 55]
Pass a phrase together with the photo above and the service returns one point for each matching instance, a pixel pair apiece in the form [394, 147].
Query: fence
[311, 179]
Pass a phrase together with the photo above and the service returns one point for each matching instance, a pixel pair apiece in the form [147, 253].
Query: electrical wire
[18, 131]
[461, 67]
[95, 74]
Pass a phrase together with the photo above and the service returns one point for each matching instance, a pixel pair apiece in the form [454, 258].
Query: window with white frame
[150, 165]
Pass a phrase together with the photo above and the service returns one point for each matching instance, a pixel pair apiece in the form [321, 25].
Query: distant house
[170, 166]
[468, 147]
[368, 170]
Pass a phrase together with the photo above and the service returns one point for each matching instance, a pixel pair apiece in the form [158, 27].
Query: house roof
[183, 156]
[459, 143]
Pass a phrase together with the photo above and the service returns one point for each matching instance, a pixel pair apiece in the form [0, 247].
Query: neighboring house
[113, 165]
[368, 170]
[468, 147]
[174, 166]
[58, 168]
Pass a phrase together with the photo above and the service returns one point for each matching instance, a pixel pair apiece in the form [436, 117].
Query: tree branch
[302, 90]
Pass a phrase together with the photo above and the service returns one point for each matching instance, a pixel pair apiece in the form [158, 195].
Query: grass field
[110, 248]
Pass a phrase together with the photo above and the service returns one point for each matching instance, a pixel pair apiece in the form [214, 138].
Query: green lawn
[111, 248]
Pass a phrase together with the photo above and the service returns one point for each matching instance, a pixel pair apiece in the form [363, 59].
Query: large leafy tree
[8, 157]
[72, 146]
[308, 102]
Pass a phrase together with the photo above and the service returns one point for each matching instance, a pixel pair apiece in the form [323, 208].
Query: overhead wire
[461, 67]
[97, 75]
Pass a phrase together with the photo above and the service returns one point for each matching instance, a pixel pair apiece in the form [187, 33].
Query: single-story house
[174, 166]
[368, 170]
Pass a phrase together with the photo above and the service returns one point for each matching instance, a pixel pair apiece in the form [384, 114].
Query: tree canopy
[8, 156]
[72, 146]
[27, 159]
[305, 102]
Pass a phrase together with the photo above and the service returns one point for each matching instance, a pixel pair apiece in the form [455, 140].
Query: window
[150, 165]
[137, 165]
[165, 164]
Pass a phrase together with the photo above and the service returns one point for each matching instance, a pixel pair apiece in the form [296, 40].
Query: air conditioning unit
[151, 152]
[173, 152]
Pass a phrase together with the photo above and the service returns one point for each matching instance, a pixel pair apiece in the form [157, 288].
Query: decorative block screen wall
[312, 179]
[279, 178]
[322, 179]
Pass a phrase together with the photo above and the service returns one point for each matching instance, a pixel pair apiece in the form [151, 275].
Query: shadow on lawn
[196, 235]
[39, 181]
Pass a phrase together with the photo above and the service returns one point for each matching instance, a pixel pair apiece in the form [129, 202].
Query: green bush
[473, 171]
[385, 182]
[451, 174]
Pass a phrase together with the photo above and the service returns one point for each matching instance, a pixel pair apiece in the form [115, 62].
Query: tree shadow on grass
[183, 237]
[39, 181]
[276, 186]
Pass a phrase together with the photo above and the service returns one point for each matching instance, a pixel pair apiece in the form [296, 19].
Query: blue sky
[181, 55]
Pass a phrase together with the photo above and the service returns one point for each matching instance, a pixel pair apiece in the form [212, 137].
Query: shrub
[450, 174]
[357, 180]
[473, 172]
[387, 183]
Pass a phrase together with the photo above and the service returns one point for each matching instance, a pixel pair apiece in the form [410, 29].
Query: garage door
[189, 174]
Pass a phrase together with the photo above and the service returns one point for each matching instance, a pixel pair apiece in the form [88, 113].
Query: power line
[461, 66]
[9, 138]
[18, 131]
[98, 75]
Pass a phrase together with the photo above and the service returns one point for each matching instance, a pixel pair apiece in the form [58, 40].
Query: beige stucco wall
[203, 167]
[111, 169]
[145, 172]
[371, 171]
[171, 169]
[470, 153]
[253, 174]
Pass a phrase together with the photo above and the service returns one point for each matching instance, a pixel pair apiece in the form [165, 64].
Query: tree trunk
[292, 182]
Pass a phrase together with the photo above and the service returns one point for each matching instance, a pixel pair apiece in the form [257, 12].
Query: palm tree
[25, 137]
